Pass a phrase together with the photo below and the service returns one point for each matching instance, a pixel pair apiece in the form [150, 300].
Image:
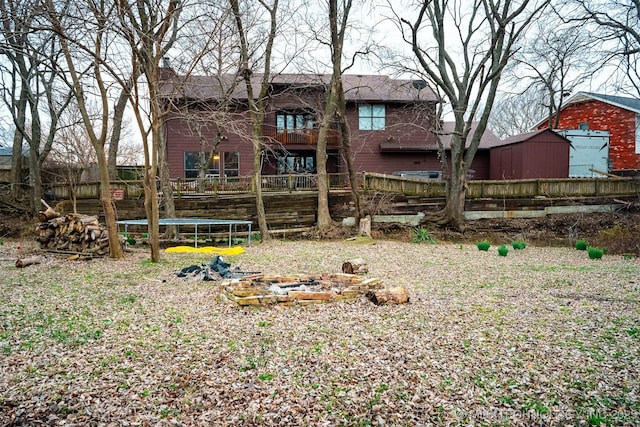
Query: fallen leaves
[544, 336]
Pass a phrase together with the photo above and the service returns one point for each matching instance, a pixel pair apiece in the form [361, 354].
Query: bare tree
[556, 58]
[250, 59]
[617, 25]
[150, 28]
[335, 109]
[466, 69]
[34, 94]
[83, 53]
[516, 113]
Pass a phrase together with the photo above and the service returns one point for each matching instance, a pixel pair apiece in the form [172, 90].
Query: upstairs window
[371, 117]
[293, 121]
[583, 126]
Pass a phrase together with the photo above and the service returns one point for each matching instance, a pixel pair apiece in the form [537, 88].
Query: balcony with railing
[299, 136]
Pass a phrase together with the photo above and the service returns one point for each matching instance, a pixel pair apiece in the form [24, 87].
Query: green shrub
[595, 253]
[519, 245]
[582, 245]
[503, 250]
[422, 235]
[483, 245]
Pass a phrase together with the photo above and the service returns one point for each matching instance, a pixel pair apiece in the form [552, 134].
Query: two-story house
[390, 122]
[617, 115]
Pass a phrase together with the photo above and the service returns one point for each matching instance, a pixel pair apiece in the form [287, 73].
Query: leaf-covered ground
[543, 336]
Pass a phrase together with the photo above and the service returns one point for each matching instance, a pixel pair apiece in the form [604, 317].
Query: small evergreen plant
[581, 245]
[503, 250]
[483, 245]
[595, 253]
[519, 245]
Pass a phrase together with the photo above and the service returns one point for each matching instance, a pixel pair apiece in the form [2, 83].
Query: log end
[396, 295]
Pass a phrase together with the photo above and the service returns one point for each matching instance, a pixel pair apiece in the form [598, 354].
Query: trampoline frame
[231, 223]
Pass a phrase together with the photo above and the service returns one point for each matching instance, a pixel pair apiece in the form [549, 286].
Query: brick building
[618, 115]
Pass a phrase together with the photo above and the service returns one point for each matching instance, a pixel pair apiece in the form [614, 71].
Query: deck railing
[569, 187]
[298, 136]
[205, 186]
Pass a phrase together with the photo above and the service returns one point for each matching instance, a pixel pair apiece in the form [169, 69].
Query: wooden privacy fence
[568, 187]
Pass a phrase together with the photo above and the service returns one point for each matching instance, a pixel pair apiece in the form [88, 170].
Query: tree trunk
[35, 181]
[171, 232]
[115, 248]
[348, 155]
[16, 154]
[151, 210]
[114, 143]
[324, 216]
[257, 174]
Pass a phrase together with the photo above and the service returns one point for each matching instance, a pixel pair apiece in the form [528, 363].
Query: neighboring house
[390, 122]
[620, 116]
[6, 163]
[540, 154]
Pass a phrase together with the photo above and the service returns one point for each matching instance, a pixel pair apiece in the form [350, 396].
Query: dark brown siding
[542, 156]
[404, 125]
[181, 139]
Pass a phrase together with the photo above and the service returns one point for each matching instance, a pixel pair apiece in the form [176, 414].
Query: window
[371, 117]
[583, 126]
[296, 164]
[192, 164]
[292, 120]
[231, 163]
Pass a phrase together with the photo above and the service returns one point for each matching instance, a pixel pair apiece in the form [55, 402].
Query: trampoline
[230, 223]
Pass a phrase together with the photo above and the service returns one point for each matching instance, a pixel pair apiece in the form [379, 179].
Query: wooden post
[365, 226]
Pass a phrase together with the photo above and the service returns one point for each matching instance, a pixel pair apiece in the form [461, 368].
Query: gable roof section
[488, 140]
[531, 135]
[624, 102]
[631, 104]
[357, 87]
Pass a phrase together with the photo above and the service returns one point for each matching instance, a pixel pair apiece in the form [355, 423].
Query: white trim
[637, 140]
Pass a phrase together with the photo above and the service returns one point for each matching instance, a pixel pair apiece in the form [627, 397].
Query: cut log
[74, 233]
[396, 295]
[23, 262]
[355, 266]
[47, 214]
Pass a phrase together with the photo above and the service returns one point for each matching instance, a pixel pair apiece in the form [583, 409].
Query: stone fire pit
[258, 289]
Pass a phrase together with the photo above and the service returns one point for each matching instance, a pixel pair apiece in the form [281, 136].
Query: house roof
[627, 103]
[631, 104]
[488, 140]
[357, 87]
[527, 136]
[8, 151]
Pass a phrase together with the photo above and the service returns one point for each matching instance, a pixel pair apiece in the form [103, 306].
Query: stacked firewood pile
[71, 233]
